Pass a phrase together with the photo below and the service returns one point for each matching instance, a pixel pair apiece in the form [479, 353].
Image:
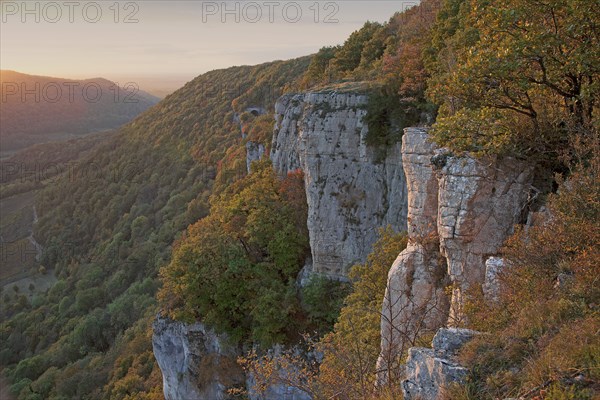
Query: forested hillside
[108, 226]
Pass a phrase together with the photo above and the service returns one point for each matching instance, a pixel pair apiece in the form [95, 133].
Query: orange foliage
[403, 65]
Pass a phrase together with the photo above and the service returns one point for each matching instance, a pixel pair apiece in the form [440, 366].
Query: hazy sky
[170, 42]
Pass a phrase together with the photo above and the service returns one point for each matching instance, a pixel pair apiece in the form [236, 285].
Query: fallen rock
[491, 285]
[429, 371]
[448, 341]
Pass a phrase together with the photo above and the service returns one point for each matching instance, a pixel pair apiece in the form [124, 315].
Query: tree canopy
[236, 269]
[516, 77]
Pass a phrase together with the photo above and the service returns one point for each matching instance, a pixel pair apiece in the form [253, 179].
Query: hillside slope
[109, 224]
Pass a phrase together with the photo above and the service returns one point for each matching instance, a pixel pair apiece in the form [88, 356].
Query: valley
[24, 175]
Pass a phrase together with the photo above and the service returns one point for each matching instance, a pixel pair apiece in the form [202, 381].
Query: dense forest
[155, 212]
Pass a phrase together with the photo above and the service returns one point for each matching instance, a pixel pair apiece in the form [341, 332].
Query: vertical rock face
[480, 201]
[414, 298]
[351, 189]
[198, 364]
[460, 211]
[195, 362]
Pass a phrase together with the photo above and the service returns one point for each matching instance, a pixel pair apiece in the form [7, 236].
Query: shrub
[387, 116]
[322, 299]
[346, 369]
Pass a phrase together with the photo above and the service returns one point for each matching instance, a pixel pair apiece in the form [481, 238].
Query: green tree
[236, 269]
[92, 333]
[319, 71]
[518, 76]
[323, 299]
[349, 56]
[29, 368]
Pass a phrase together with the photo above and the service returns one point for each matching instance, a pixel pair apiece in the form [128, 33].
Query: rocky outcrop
[351, 188]
[414, 300]
[198, 364]
[195, 362]
[429, 371]
[254, 152]
[480, 201]
[460, 211]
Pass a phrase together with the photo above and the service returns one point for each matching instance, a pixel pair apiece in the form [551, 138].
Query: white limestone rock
[429, 371]
[460, 211]
[480, 201]
[189, 357]
[491, 285]
[351, 191]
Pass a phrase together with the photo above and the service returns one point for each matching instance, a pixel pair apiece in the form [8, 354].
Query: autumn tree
[517, 77]
[403, 65]
[236, 269]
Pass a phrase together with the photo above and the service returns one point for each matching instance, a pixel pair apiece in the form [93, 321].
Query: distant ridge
[38, 109]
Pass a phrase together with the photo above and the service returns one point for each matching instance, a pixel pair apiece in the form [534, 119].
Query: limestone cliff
[198, 364]
[480, 201]
[195, 362]
[351, 189]
[457, 211]
[461, 209]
